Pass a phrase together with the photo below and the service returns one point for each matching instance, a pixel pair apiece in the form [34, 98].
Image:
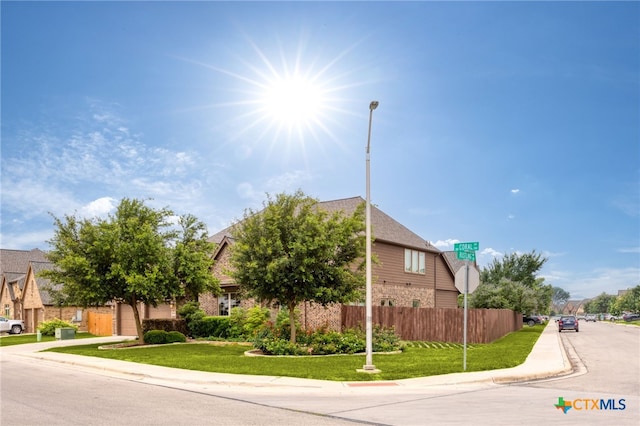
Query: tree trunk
[136, 315]
[292, 322]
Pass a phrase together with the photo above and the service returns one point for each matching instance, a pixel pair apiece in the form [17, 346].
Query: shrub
[48, 328]
[326, 342]
[385, 340]
[155, 337]
[160, 337]
[211, 327]
[256, 318]
[165, 324]
[237, 318]
[191, 313]
[176, 337]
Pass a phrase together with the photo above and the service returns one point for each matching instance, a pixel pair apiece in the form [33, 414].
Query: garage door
[126, 321]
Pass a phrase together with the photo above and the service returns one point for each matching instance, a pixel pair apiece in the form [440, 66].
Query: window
[226, 302]
[415, 303]
[414, 261]
[7, 311]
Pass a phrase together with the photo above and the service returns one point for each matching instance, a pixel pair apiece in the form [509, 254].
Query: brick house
[410, 272]
[13, 267]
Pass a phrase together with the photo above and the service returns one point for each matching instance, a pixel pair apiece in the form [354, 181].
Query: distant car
[631, 317]
[11, 326]
[568, 322]
[591, 317]
[531, 320]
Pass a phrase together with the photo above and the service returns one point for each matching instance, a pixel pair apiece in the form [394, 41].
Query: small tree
[192, 259]
[128, 257]
[293, 251]
[511, 283]
[600, 304]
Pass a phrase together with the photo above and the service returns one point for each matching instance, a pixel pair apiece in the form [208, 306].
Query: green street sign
[466, 246]
[466, 255]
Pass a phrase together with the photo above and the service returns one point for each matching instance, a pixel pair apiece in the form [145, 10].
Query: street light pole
[368, 302]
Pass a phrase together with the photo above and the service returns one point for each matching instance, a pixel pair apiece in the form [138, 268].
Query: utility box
[65, 333]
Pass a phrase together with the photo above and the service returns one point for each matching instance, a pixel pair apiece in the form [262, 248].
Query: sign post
[466, 252]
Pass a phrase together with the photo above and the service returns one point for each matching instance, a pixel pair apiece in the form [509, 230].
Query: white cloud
[550, 254]
[287, 182]
[61, 173]
[515, 191]
[29, 197]
[589, 284]
[445, 245]
[491, 252]
[246, 191]
[98, 208]
[26, 240]
[629, 250]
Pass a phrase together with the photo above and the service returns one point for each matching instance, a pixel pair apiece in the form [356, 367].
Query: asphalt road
[607, 367]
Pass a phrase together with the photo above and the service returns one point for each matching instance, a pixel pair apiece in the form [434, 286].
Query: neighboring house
[23, 296]
[13, 267]
[409, 272]
[574, 307]
[38, 304]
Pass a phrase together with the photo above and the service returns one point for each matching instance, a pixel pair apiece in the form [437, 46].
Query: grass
[22, 339]
[420, 359]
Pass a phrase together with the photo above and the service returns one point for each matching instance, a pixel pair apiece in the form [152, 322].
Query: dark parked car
[531, 320]
[568, 322]
[631, 317]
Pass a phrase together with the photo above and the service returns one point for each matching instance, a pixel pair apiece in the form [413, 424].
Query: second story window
[414, 261]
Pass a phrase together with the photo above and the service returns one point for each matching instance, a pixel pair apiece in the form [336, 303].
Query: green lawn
[21, 339]
[418, 360]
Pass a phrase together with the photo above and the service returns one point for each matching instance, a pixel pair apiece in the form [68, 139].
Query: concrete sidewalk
[547, 359]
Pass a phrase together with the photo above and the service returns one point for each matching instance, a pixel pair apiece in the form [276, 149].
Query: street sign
[474, 279]
[466, 255]
[473, 246]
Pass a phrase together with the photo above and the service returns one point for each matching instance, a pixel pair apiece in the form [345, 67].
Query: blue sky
[515, 124]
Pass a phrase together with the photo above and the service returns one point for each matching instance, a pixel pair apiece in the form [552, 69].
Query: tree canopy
[628, 302]
[293, 251]
[134, 256]
[512, 283]
[602, 303]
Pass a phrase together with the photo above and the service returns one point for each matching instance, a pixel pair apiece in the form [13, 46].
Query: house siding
[390, 281]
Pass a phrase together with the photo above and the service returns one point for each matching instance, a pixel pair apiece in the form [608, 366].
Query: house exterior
[23, 295]
[409, 271]
[574, 307]
[13, 267]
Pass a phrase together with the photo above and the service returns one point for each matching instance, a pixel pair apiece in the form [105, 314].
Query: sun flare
[293, 101]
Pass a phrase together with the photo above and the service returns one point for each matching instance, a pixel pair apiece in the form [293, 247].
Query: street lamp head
[373, 105]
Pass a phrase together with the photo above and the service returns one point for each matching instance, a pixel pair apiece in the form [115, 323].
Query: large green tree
[512, 283]
[134, 256]
[628, 302]
[292, 251]
[600, 304]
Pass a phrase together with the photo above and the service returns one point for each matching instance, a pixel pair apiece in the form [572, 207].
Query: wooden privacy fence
[437, 324]
[100, 324]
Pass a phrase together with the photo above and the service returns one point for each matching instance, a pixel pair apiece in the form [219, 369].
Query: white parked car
[11, 326]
